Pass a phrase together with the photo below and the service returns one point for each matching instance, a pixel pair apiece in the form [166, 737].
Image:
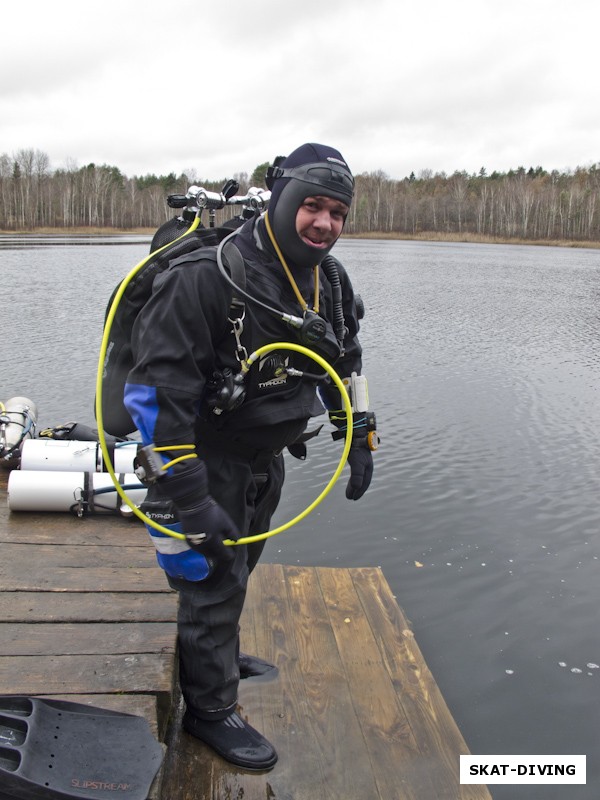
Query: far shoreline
[424, 236]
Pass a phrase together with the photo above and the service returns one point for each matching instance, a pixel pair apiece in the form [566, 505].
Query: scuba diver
[271, 280]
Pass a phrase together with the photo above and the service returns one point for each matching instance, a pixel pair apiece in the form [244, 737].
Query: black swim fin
[57, 750]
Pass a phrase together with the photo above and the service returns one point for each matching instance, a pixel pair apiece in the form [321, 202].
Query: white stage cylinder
[35, 490]
[57, 455]
[64, 455]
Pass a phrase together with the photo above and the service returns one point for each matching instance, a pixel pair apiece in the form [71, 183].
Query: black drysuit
[181, 338]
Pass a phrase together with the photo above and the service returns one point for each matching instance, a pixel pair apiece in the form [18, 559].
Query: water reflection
[30, 241]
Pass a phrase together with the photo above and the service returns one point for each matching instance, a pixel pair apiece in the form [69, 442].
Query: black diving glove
[204, 522]
[205, 526]
[360, 457]
[360, 460]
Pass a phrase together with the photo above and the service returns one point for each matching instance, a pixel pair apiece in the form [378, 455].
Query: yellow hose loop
[169, 447]
[177, 460]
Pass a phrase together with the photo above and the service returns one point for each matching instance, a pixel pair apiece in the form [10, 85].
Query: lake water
[484, 372]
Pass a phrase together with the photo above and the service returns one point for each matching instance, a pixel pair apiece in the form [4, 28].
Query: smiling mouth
[320, 244]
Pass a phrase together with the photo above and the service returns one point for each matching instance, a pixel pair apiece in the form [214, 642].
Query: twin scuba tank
[67, 475]
[18, 419]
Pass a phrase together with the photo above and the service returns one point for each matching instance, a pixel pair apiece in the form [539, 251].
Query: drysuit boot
[251, 666]
[234, 740]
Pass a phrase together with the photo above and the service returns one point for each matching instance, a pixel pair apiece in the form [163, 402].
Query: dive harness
[245, 365]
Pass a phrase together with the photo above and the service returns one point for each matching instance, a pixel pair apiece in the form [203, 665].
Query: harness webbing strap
[235, 262]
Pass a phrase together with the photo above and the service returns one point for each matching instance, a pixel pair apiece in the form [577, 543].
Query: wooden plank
[385, 727]
[86, 674]
[302, 712]
[78, 556]
[80, 568]
[432, 723]
[60, 529]
[331, 716]
[85, 639]
[29, 607]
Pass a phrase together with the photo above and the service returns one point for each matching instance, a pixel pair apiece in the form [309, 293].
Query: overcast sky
[159, 86]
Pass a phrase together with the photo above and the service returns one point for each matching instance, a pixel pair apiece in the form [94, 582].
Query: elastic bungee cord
[245, 367]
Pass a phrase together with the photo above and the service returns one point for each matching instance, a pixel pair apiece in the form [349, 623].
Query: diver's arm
[173, 351]
[349, 367]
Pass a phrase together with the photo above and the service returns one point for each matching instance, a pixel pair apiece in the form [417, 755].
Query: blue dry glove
[360, 460]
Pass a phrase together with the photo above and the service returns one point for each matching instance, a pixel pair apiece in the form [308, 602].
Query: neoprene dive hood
[310, 170]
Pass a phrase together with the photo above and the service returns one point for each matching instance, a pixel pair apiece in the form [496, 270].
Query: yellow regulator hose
[251, 360]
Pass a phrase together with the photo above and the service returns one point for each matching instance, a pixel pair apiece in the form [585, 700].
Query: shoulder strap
[233, 259]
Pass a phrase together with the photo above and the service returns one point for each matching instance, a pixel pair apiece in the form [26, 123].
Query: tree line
[530, 204]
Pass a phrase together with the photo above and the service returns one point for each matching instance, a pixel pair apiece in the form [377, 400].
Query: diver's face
[320, 221]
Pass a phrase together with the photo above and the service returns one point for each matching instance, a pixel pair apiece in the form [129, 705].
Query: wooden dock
[354, 712]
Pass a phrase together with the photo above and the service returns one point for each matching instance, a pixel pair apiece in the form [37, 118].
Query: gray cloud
[158, 87]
